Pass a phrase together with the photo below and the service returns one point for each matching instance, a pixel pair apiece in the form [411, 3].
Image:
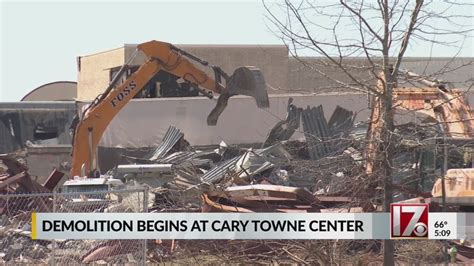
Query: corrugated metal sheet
[341, 121]
[251, 164]
[316, 132]
[217, 173]
[292, 122]
[172, 136]
[190, 157]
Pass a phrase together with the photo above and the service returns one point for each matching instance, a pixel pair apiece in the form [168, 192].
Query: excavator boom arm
[91, 127]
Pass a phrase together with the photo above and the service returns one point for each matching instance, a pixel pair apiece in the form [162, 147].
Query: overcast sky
[41, 40]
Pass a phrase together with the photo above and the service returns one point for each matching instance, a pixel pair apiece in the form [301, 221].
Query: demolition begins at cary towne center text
[203, 226]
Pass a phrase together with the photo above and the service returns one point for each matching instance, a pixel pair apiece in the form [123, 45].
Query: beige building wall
[271, 59]
[94, 72]
[307, 78]
[282, 73]
[313, 74]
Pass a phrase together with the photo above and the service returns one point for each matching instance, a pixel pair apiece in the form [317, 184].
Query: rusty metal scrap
[16, 180]
[447, 108]
[217, 204]
[213, 205]
[13, 166]
[7, 181]
[434, 113]
[53, 179]
[109, 249]
[21, 183]
[260, 198]
[266, 192]
[271, 198]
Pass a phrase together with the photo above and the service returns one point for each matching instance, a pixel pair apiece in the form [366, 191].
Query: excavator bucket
[248, 81]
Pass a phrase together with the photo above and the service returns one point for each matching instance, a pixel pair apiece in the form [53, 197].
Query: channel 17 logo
[409, 220]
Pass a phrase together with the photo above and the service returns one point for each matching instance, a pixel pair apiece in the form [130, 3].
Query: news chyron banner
[409, 221]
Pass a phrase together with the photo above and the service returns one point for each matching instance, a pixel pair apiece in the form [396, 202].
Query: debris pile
[283, 175]
[330, 170]
[463, 250]
[15, 229]
[18, 247]
[15, 179]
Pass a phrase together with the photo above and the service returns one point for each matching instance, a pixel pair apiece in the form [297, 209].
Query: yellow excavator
[161, 57]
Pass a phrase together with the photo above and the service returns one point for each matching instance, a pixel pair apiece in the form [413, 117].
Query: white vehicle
[98, 193]
[79, 184]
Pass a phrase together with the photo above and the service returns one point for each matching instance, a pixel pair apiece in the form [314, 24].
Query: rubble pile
[465, 250]
[329, 170]
[16, 180]
[15, 229]
[282, 175]
[17, 247]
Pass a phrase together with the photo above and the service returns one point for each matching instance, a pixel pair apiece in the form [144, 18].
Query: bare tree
[380, 31]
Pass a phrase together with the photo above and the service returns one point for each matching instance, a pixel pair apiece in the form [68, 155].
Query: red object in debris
[109, 249]
[53, 179]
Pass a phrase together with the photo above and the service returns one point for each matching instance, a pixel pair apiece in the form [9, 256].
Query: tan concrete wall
[93, 76]
[282, 73]
[306, 77]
